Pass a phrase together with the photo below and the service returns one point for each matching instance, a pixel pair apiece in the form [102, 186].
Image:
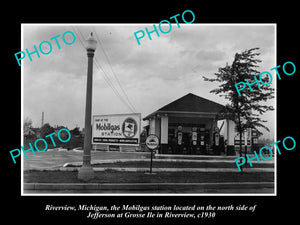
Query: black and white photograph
[150, 113]
[149, 109]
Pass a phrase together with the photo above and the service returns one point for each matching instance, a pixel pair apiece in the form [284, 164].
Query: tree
[244, 110]
[75, 131]
[27, 123]
[46, 129]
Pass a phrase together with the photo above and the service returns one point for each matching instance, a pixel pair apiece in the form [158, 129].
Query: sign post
[152, 143]
[151, 161]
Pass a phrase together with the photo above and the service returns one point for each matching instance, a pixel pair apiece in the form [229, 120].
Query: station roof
[189, 103]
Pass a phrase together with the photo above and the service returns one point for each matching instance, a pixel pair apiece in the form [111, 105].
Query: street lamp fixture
[86, 172]
[91, 43]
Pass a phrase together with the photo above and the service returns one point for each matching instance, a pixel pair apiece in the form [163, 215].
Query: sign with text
[117, 129]
[152, 142]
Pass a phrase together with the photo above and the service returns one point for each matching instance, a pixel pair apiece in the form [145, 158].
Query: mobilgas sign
[117, 129]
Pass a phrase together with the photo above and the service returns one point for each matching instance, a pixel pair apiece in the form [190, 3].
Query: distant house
[29, 132]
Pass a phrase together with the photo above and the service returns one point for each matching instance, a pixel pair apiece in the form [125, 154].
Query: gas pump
[194, 136]
[194, 140]
[179, 135]
[179, 140]
[254, 136]
[216, 139]
[202, 140]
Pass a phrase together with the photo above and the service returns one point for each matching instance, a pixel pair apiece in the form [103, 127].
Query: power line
[74, 28]
[105, 76]
[113, 72]
[112, 86]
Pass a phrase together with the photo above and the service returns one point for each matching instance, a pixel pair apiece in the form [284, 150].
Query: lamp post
[86, 172]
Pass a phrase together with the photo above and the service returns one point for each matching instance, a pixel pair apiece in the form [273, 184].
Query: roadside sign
[117, 129]
[152, 141]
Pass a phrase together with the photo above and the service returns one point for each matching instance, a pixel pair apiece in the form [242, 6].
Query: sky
[129, 77]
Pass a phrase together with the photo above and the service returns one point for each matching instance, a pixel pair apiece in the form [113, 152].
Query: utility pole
[42, 119]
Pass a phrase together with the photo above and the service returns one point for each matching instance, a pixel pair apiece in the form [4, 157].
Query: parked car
[62, 149]
[78, 149]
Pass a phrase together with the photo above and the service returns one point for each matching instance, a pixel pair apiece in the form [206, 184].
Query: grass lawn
[157, 164]
[110, 176]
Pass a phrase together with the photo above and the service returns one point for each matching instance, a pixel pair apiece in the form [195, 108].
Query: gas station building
[190, 126]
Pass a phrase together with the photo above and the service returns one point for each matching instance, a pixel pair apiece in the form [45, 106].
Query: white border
[154, 194]
[22, 114]
[275, 109]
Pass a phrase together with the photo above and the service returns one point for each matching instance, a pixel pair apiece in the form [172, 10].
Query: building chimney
[42, 119]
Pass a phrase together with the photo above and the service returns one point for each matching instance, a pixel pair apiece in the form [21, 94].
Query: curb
[162, 160]
[144, 186]
[146, 169]
[157, 170]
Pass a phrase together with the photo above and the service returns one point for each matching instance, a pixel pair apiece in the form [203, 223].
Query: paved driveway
[55, 159]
